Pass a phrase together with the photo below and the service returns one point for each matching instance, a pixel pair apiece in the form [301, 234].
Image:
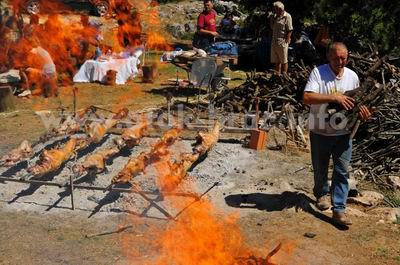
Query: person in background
[206, 27]
[40, 78]
[281, 26]
[327, 84]
[303, 48]
[323, 39]
[227, 25]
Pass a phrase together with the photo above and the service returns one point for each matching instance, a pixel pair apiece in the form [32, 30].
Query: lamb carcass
[16, 155]
[96, 162]
[133, 168]
[51, 160]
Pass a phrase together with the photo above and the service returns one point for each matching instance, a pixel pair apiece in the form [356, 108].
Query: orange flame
[200, 233]
[203, 237]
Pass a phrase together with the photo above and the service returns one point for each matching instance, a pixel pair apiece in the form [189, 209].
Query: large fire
[70, 42]
[199, 233]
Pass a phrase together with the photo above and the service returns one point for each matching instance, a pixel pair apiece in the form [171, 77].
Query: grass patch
[382, 252]
[366, 236]
[393, 198]
[187, 36]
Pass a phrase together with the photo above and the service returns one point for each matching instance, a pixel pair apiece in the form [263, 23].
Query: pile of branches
[266, 88]
[377, 143]
[376, 152]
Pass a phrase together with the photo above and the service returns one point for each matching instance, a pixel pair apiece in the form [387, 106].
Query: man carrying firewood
[327, 84]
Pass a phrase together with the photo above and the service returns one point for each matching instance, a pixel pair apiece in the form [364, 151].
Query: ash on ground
[239, 171]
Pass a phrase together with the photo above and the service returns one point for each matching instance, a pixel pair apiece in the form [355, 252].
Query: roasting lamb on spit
[161, 147]
[131, 136]
[138, 164]
[96, 162]
[96, 130]
[133, 168]
[16, 155]
[69, 125]
[170, 136]
[178, 169]
[51, 160]
[206, 140]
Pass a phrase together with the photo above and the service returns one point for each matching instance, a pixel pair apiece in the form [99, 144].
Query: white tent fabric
[92, 71]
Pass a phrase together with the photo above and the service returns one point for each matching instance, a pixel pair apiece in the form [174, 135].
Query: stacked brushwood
[276, 89]
[377, 143]
[376, 152]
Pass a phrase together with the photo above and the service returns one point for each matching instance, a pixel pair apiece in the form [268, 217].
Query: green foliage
[370, 20]
[187, 36]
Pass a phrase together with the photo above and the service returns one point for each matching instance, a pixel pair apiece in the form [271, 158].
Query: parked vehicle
[101, 7]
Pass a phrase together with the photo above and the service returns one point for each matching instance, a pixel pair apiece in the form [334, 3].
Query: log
[6, 99]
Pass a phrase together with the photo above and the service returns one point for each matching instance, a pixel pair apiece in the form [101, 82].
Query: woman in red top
[206, 27]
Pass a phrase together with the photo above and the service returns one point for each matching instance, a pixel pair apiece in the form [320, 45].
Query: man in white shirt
[44, 79]
[327, 84]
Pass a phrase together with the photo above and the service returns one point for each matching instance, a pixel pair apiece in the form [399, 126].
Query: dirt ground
[267, 217]
[272, 201]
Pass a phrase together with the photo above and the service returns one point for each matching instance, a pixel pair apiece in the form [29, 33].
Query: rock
[367, 198]
[177, 30]
[190, 16]
[276, 138]
[387, 214]
[193, 11]
[220, 9]
[310, 235]
[190, 27]
[222, 6]
[395, 182]
[164, 14]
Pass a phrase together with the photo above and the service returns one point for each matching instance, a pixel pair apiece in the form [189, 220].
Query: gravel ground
[237, 169]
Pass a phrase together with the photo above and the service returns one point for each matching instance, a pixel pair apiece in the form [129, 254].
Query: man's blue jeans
[340, 148]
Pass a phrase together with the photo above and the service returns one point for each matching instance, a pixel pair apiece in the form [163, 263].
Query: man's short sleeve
[200, 22]
[289, 24]
[313, 83]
